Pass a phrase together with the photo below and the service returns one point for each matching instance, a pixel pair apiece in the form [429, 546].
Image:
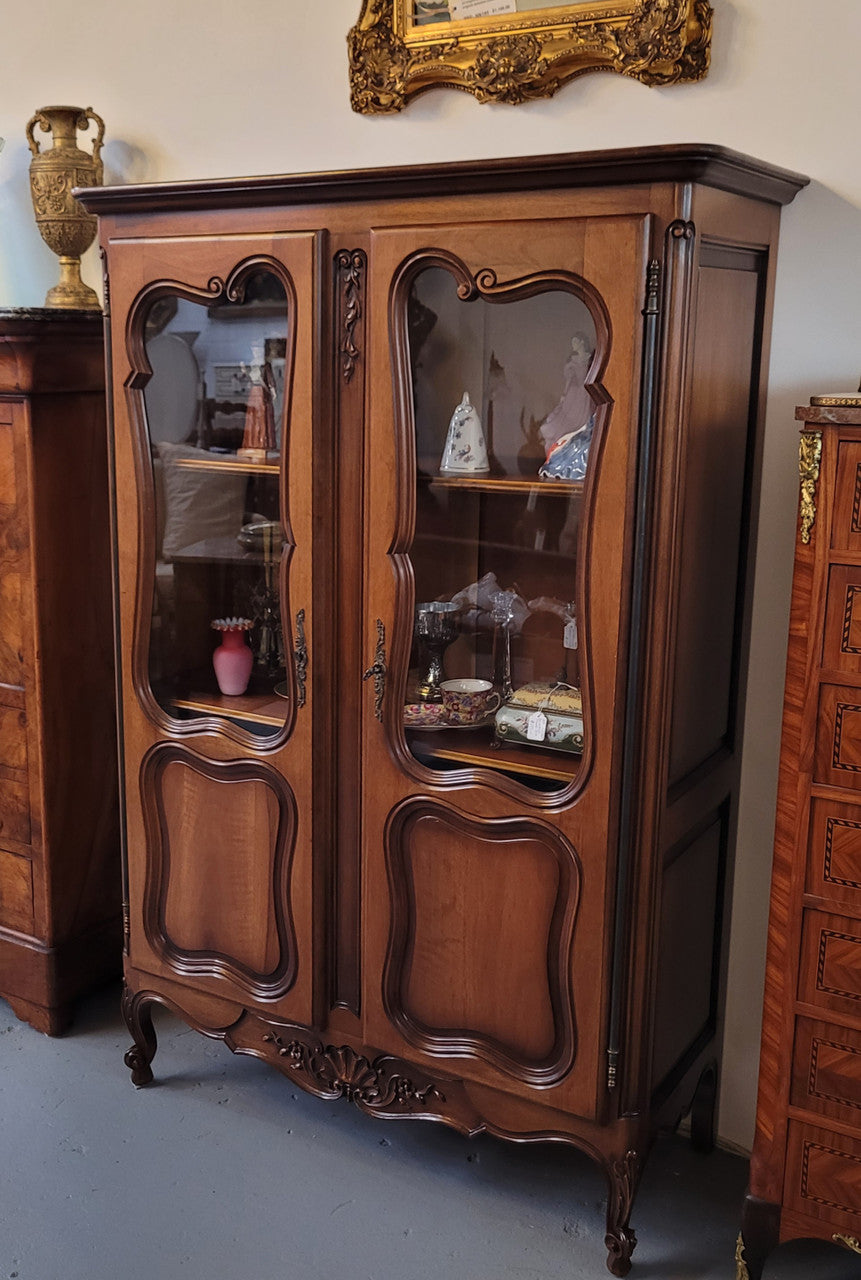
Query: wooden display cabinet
[60, 895]
[502, 936]
[804, 1179]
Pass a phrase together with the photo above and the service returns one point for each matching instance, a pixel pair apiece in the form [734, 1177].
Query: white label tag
[481, 8]
[536, 727]
[569, 638]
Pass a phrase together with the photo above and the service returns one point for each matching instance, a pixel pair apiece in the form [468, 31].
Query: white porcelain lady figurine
[465, 450]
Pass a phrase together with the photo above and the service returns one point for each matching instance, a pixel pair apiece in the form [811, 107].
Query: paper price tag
[569, 638]
[536, 727]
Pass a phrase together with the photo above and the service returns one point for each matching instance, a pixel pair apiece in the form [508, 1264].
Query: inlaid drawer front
[838, 737]
[826, 1075]
[823, 1175]
[834, 852]
[842, 644]
[846, 523]
[830, 969]
[16, 893]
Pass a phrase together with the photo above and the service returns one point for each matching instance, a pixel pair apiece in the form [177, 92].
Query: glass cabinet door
[506, 431]
[215, 427]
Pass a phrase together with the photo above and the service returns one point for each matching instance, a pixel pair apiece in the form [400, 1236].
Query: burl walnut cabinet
[60, 896]
[504, 917]
[805, 1178]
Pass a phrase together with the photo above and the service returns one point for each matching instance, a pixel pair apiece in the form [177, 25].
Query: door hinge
[612, 1067]
[653, 289]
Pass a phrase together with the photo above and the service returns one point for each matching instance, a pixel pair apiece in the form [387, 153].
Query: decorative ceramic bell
[465, 450]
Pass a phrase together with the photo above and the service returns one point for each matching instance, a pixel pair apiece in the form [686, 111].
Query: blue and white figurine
[569, 456]
[465, 451]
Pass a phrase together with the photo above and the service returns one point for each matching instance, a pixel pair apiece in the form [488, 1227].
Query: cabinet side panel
[716, 468]
[689, 948]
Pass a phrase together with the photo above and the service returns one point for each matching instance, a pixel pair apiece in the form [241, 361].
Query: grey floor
[223, 1169]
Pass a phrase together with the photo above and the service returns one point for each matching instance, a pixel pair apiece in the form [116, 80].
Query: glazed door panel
[213, 458]
[507, 382]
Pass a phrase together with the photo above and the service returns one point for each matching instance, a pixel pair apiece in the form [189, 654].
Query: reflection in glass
[504, 423]
[214, 415]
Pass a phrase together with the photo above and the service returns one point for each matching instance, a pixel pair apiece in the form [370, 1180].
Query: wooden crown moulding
[703, 163]
[518, 57]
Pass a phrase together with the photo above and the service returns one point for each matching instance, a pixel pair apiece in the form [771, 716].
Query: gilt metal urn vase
[64, 226]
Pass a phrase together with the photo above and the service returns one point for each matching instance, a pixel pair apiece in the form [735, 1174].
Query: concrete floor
[223, 1169]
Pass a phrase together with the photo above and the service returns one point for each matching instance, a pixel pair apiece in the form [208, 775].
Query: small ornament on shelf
[465, 450]
[232, 659]
[436, 627]
[259, 437]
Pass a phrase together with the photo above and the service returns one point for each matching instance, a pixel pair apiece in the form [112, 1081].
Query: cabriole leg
[620, 1240]
[138, 1015]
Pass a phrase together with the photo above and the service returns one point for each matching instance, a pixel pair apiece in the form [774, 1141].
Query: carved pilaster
[351, 266]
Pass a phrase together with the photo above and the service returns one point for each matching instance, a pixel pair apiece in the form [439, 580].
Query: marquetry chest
[806, 1167]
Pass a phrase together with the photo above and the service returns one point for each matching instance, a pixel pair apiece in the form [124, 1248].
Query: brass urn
[62, 223]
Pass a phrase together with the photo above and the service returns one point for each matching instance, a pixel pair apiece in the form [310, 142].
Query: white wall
[212, 88]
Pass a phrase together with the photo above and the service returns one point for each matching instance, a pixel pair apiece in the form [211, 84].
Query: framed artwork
[517, 50]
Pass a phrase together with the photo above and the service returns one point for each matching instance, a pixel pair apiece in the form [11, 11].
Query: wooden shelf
[507, 484]
[506, 548]
[260, 708]
[474, 747]
[226, 462]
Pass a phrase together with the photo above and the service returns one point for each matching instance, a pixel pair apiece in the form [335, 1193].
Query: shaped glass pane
[215, 420]
[504, 423]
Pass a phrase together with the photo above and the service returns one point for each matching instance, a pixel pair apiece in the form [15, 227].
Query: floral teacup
[468, 701]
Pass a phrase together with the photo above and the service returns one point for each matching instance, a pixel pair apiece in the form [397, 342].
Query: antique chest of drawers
[60, 900]
[806, 1167]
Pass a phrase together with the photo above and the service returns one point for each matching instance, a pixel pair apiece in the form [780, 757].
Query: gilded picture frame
[528, 49]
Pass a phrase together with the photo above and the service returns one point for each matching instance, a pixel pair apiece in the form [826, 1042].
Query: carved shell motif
[339, 1072]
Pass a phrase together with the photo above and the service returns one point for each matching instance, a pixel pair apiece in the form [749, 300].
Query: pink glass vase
[232, 659]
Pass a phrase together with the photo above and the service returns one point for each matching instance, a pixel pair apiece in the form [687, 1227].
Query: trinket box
[562, 708]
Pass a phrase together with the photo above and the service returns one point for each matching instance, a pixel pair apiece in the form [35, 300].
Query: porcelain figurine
[575, 404]
[465, 450]
[569, 456]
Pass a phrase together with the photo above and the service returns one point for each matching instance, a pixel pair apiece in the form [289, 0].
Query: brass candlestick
[62, 223]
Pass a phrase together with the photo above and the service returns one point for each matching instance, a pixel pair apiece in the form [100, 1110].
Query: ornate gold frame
[521, 56]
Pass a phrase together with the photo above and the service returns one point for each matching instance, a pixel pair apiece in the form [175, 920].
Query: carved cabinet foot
[137, 1011]
[620, 1239]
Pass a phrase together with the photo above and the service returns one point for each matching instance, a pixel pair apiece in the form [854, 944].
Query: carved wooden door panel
[507, 383]
[213, 461]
